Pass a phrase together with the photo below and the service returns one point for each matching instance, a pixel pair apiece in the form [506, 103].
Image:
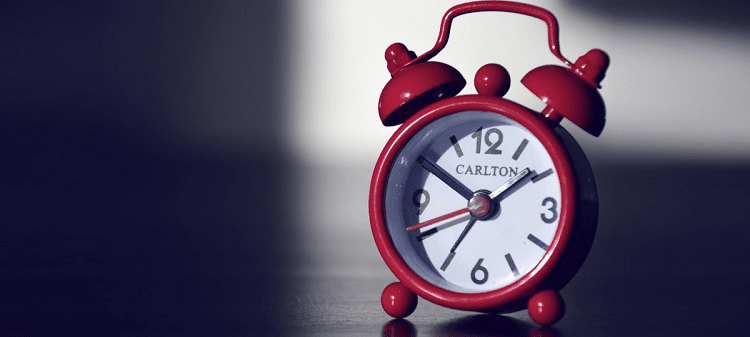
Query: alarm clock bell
[414, 87]
[572, 92]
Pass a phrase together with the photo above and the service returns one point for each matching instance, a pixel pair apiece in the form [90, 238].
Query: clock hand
[478, 206]
[455, 245]
[508, 184]
[463, 234]
[445, 177]
[437, 219]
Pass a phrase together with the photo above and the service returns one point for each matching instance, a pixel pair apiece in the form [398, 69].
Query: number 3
[552, 209]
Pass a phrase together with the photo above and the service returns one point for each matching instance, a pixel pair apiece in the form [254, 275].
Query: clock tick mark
[456, 147]
[541, 176]
[520, 149]
[537, 242]
[447, 261]
[511, 264]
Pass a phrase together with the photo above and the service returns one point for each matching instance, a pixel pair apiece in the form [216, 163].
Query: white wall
[671, 90]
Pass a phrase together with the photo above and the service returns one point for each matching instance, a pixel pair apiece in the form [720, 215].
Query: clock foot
[398, 301]
[546, 307]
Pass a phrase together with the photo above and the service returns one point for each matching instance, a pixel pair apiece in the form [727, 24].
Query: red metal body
[397, 300]
[504, 298]
[546, 307]
[570, 93]
[422, 91]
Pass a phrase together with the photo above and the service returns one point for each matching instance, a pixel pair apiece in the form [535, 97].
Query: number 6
[478, 267]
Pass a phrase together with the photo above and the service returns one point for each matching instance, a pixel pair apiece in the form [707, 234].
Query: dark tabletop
[219, 245]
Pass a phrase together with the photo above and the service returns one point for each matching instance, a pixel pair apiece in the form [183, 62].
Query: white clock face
[495, 239]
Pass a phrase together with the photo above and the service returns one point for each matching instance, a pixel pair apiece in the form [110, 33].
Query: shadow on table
[670, 247]
[472, 325]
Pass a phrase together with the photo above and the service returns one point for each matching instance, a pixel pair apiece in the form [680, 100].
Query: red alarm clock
[476, 202]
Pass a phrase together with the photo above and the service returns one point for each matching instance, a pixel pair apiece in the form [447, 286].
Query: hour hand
[445, 177]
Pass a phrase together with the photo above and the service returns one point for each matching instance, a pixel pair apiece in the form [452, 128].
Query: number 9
[421, 204]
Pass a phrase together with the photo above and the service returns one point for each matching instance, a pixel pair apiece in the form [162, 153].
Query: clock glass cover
[443, 172]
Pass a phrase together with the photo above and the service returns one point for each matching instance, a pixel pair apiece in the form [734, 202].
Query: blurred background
[203, 168]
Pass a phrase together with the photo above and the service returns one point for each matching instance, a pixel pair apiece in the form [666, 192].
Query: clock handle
[497, 6]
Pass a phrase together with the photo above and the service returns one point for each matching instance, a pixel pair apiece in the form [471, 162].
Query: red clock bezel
[495, 300]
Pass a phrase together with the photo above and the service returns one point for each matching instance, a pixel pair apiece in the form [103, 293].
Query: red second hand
[438, 219]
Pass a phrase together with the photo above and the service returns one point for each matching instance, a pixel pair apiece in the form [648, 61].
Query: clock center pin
[480, 205]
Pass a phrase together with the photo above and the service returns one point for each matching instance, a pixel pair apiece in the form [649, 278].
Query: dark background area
[117, 215]
[147, 188]
[723, 14]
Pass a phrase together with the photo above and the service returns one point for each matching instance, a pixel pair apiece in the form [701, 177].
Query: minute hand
[446, 177]
[508, 184]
